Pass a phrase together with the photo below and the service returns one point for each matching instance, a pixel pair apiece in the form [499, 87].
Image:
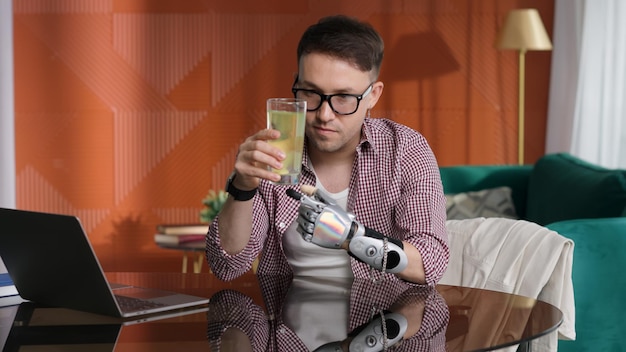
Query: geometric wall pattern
[129, 111]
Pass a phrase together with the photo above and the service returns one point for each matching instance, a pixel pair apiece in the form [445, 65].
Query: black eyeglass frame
[327, 98]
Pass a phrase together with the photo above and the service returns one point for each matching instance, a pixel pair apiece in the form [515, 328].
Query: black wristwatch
[238, 194]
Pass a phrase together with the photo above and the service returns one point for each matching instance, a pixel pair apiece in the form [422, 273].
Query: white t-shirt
[308, 259]
[317, 309]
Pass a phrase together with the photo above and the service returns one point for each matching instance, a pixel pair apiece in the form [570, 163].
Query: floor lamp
[523, 31]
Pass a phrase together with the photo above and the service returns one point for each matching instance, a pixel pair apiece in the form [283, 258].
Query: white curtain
[587, 109]
[7, 139]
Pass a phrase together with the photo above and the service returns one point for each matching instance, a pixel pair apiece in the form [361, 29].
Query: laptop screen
[53, 329]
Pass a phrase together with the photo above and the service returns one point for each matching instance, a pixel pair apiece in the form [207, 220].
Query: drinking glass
[287, 115]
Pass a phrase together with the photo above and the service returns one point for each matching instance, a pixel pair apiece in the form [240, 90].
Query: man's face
[328, 132]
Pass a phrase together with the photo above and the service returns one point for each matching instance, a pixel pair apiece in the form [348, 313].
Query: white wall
[7, 111]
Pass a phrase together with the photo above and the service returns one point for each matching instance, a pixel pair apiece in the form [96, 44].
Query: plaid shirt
[367, 297]
[395, 189]
[269, 332]
[233, 309]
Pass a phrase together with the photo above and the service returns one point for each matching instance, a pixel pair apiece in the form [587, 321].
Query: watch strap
[238, 194]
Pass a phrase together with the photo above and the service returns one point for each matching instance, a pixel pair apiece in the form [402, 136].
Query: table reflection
[329, 314]
[484, 320]
[301, 314]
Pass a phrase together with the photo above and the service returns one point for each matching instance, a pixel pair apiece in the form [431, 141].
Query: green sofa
[583, 202]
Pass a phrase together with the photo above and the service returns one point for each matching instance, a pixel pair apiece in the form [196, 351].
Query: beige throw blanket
[515, 256]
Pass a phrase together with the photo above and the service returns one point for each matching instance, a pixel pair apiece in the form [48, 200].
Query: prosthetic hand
[324, 223]
[377, 335]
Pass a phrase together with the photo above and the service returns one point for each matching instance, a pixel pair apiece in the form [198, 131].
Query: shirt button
[281, 225]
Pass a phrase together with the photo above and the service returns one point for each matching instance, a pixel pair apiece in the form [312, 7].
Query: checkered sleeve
[369, 298]
[399, 193]
[230, 266]
[431, 335]
[229, 309]
[421, 212]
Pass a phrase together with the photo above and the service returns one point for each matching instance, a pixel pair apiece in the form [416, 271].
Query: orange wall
[129, 111]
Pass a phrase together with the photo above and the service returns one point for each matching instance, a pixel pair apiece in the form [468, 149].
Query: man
[378, 173]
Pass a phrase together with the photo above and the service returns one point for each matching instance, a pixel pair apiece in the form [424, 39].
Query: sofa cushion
[488, 203]
[563, 187]
[599, 282]
[472, 178]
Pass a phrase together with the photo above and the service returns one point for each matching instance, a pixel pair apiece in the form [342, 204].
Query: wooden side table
[194, 250]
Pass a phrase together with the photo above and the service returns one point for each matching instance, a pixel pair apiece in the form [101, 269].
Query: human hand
[253, 158]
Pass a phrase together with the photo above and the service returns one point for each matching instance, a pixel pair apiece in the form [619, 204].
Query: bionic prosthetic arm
[324, 223]
[378, 334]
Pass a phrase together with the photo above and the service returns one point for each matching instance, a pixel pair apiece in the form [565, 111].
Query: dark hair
[344, 38]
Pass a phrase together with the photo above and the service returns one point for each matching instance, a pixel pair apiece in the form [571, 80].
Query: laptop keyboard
[131, 304]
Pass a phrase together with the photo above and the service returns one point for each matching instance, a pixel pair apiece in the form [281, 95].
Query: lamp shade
[523, 30]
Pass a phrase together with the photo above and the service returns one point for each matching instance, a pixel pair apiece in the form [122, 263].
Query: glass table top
[300, 314]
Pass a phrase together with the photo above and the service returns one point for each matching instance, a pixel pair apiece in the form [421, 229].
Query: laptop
[28, 326]
[51, 262]
[24, 331]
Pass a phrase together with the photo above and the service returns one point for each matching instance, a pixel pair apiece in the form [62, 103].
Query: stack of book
[6, 285]
[181, 234]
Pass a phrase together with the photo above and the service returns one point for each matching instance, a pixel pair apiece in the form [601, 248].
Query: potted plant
[213, 202]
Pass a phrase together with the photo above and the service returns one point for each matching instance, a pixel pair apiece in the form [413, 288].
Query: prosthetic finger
[305, 228]
[306, 200]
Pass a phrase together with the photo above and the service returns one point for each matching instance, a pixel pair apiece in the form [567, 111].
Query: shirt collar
[366, 140]
[366, 134]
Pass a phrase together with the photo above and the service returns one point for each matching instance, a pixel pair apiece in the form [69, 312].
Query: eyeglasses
[342, 104]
